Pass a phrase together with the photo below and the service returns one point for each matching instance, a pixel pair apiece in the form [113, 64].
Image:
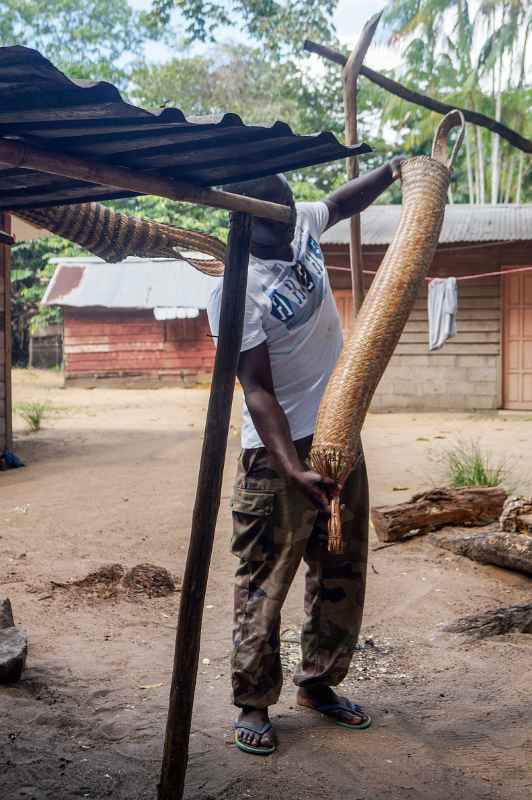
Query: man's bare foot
[323, 699]
[253, 729]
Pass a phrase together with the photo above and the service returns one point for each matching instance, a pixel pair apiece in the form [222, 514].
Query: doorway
[517, 341]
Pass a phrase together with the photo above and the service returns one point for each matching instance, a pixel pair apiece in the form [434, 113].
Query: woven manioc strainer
[380, 321]
[113, 236]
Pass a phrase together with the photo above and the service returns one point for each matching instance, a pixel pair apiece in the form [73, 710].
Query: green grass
[468, 465]
[32, 414]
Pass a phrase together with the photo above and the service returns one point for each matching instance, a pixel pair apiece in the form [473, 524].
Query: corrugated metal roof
[41, 105]
[134, 283]
[462, 223]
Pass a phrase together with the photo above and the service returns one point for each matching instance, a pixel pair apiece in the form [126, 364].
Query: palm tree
[442, 38]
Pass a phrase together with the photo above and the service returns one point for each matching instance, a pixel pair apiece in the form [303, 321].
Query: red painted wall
[113, 343]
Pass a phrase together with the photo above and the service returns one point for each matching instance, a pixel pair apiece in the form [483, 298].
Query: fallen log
[510, 550]
[438, 508]
[516, 515]
[513, 619]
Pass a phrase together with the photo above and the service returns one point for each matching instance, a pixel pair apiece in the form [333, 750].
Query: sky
[349, 19]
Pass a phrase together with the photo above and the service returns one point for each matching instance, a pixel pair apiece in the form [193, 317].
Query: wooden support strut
[350, 77]
[411, 96]
[25, 156]
[6, 238]
[5, 328]
[205, 513]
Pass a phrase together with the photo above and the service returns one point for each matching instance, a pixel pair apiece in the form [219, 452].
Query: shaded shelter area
[42, 106]
[43, 110]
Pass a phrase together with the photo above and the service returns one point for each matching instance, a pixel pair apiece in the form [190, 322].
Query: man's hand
[395, 166]
[316, 487]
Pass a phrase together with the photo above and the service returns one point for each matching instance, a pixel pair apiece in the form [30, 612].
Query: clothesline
[461, 278]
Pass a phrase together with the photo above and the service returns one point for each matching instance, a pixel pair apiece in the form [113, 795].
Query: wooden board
[5, 340]
[126, 343]
[517, 341]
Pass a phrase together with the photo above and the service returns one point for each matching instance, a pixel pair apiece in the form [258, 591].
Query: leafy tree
[31, 272]
[473, 55]
[278, 24]
[87, 40]
[228, 77]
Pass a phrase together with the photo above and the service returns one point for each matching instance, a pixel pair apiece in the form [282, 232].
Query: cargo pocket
[253, 525]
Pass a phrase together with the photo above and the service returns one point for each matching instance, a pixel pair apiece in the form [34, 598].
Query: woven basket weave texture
[384, 312]
[114, 236]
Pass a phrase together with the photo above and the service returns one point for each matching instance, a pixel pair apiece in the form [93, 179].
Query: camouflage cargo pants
[274, 527]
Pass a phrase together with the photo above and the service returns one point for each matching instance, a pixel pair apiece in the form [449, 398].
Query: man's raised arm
[359, 193]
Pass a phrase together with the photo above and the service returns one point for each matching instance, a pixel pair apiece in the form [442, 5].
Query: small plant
[32, 414]
[468, 465]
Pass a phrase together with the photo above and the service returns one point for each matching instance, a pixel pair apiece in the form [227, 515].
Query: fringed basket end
[335, 541]
[336, 463]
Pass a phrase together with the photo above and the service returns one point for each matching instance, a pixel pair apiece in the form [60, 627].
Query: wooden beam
[25, 156]
[351, 71]
[411, 96]
[205, 512]
[6, 410]
[6, 238]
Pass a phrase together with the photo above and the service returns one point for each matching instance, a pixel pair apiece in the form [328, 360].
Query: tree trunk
[435, 509]
[519, 178]
[495, 141]
[509, 178]
[480, 166]
[510, 550]
[470, 184]
[522, 74]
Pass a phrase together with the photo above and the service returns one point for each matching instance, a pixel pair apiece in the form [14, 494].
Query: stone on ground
[6, 613]
[13, 651]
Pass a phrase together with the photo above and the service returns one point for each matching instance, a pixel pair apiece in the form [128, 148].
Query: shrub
[467, 465]
[32, 414]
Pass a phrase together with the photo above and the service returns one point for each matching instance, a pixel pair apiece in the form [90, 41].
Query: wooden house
[141, 320]
[488, 365]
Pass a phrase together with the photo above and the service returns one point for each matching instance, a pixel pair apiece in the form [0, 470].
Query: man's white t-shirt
[290, 306]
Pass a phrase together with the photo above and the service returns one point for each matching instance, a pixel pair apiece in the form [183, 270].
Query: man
[291, 341]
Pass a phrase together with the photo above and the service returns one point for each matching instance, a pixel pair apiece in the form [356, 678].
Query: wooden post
[6, 435]
[25, 156]
[350, 77]
[205, 513]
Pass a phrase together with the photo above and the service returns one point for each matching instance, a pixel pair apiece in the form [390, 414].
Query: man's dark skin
[272, 240]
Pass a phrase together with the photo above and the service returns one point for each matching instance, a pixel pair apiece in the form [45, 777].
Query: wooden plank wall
[132, 344]
[466, 372]
[5, 341]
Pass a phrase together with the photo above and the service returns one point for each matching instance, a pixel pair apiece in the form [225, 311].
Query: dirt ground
[111, 478]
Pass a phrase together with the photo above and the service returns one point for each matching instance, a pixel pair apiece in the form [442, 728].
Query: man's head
[274, 189]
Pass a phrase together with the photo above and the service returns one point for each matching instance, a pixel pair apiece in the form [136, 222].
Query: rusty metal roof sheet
[42, 106]
[462, 223]
[139, 283]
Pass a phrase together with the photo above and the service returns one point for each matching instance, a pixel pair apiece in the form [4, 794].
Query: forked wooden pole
[351, 72]
[205, 513]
